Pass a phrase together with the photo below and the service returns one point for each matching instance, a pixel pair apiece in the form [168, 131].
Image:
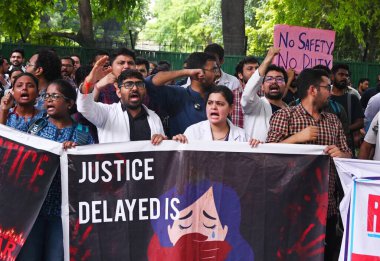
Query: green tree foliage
[83, 21]
[357, 23]
[184, 23]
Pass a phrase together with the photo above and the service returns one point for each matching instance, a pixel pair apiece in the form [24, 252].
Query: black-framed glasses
[53, 96]
[328, 87]
[278, 79]
[214, 70]
[130, 84]
[29, 64]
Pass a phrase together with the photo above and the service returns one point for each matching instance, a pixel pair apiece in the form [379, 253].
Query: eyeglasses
[67, 65]
[130, 84]
[53, 96]
[328, 87]
[214, 70]
[278, 79]
[29, 64]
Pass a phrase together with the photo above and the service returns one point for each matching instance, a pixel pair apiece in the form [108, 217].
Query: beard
[277, 96]
[273, 96]
[341, 85]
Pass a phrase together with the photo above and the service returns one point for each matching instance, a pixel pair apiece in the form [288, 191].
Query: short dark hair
[307, 78]
[361, 80]
[122, 51]
[322, 67]
[50, 63]
[215, 49]
[246, 60]
[15, 69]
[130, 73]
[276, 68]
[98, 53]
[35, 80]
[68, 58]
[338, 66]
[81, 73]
[142, 60]
[198, 60]
[18, 50]
[75, 55]
[224, 91]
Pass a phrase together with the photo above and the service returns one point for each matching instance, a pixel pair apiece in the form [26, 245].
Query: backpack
[82, 131]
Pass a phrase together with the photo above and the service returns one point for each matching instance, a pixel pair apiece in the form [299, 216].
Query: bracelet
[85, 87]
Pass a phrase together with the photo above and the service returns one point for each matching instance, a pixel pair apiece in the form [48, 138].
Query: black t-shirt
[139, 126]
[274, 108]
[290, 97]
[367, 95]
[356, 111]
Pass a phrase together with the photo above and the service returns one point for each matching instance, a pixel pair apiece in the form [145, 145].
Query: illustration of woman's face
[200, 217]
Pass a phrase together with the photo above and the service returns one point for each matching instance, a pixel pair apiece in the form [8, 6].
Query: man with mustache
[105, 89]
[258, 110]
[349, 101]
[127, 120]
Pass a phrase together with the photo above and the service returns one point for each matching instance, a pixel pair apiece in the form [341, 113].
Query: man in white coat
[127, 120]
[258, 110]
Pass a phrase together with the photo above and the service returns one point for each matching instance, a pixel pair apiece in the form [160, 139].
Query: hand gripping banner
[199, 201]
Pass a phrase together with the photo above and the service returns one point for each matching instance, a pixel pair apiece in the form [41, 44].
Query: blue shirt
[40, 100]
[52, 203]
[21, 123]
[184, 106]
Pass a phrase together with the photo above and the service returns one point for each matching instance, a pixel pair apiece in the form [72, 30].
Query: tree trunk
[86, 31]
[233, 26]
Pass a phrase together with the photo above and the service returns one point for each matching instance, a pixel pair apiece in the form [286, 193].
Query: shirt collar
[304, 111]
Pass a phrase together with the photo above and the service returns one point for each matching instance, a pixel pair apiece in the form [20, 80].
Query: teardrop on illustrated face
[213, 234]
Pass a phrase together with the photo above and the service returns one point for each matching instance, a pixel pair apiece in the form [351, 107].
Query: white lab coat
[111, 121]
[202, 131]
[257, 110]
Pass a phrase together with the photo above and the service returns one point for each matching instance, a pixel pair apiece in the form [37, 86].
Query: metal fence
[358, 69]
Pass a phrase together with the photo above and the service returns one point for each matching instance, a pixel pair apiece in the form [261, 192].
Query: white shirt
[202, 131]
[225, 79]
[373, 137]
[228, 80]
[373, 107]
[257, 110]
[110, 119]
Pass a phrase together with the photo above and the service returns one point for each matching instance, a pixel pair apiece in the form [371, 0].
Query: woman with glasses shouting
[17, 106]
[45, 241]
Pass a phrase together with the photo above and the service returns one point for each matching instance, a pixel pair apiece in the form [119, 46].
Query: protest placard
[303, 47]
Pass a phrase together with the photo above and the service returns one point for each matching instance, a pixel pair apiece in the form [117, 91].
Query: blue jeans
[45, 241]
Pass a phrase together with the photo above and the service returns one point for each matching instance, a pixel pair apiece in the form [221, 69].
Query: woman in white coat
[217, 127]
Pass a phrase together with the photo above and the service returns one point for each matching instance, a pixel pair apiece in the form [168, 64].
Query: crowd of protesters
[119, 97]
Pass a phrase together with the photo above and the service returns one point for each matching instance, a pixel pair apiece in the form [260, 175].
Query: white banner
[360, 209]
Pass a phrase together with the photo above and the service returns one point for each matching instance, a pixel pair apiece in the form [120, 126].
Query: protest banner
[303, 47]
[136, 201]
[360, 209]
[27, 168]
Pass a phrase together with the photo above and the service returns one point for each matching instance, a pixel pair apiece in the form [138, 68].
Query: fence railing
[358, 69]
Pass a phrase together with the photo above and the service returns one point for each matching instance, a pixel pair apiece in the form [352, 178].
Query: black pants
[333, 239]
